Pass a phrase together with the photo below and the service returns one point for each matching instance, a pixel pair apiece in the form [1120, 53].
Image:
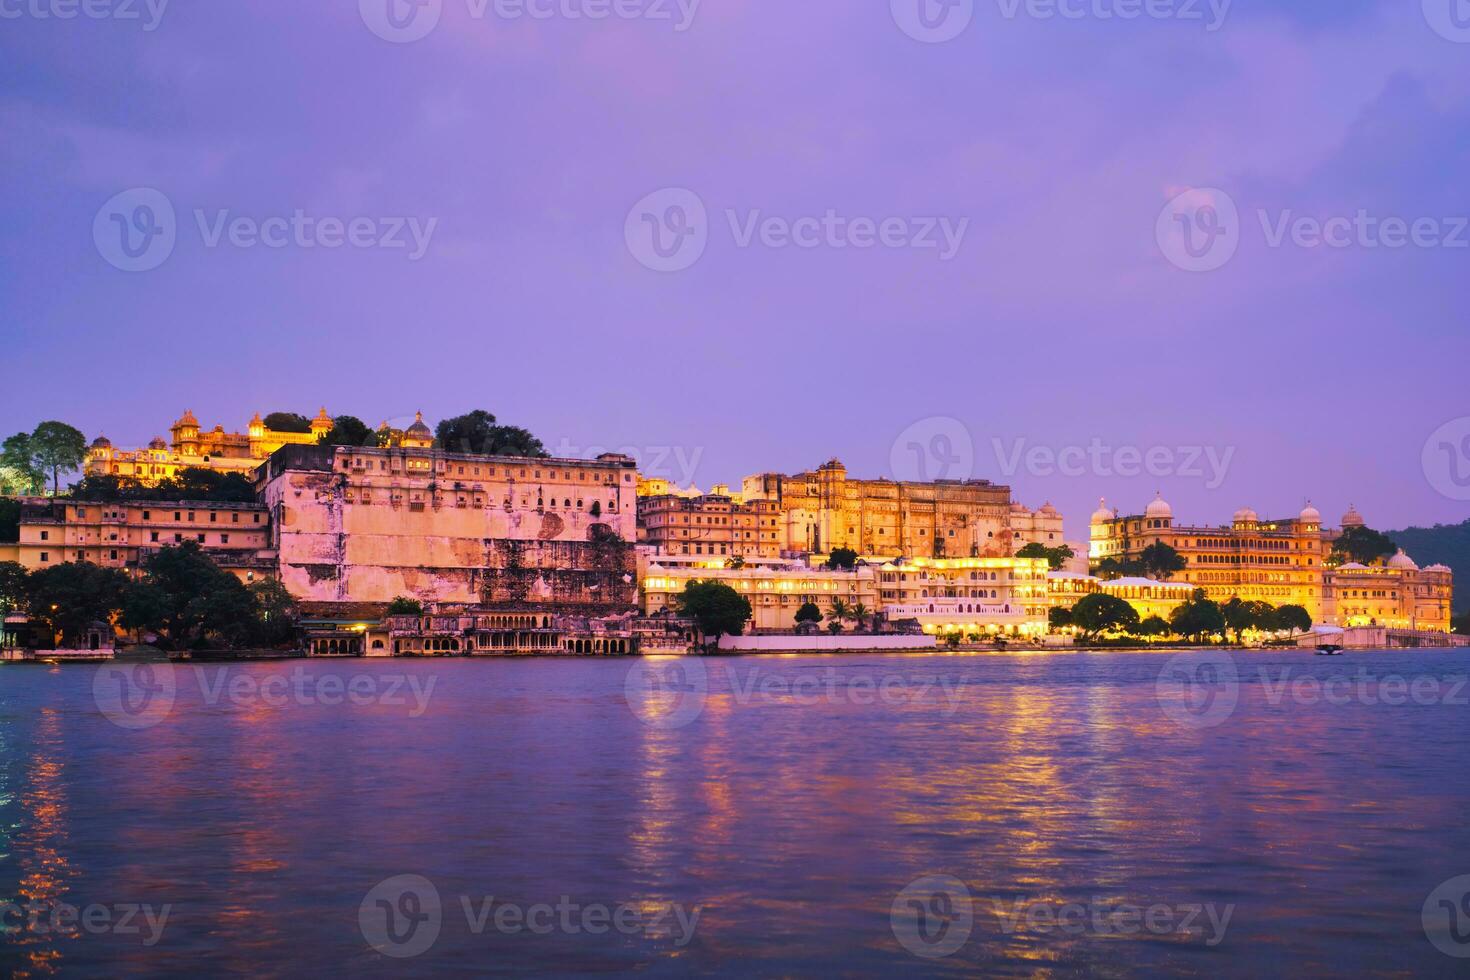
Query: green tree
[953, 640]
[1461, 624]
[9, 520]
[1112, 568]
[1162, 562]
[477, 432]
[70, 597]
[1198, 617]
[18, 470]
[277, 610]
[808, 613]
[187, 598]
[1293, 618]
[1362, 545]
[1058, 618]
[834, 626]
[842, 558]
[1238, 616]
[1057, 556]
[12, 586]
[736, 562]
[287, 422]
[1100, 612]
[1154, 627]
[57, 448]
[349, 430]
[404, 606]
[860, 614]
[716, 609]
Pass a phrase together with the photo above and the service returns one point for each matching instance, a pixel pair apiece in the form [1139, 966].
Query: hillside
[1447, 544]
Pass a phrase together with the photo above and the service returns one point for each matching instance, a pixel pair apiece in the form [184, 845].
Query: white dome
[1439, 568]
[1353, 519]
[1048, 510]
[1402, 560]
[1311, 515]
[1246, 516]
[1159, 508]
[1103, 513]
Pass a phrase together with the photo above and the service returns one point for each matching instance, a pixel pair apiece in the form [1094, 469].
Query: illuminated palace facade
[190, 446]
[823, 510]
[1285, 561]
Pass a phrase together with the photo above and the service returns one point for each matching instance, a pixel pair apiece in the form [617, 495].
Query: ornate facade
[710, 525]
[190, 446]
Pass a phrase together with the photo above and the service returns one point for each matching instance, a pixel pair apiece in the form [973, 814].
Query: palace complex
[533, 555]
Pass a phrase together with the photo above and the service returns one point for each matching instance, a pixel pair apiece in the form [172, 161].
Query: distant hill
[1444, 544]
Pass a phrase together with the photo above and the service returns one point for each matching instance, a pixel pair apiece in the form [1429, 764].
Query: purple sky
[1317, 371]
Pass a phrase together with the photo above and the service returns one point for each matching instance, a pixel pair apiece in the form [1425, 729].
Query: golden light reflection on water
[41, 845]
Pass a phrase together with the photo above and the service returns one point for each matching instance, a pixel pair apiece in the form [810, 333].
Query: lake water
[1014, 815]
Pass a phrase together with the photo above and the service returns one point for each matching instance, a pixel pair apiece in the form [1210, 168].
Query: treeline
[190, 484]
[1198, 619]
[183, 598]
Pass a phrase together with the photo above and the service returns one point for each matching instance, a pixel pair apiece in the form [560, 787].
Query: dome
[418, 428]
[1246, 516]
[101, 442]
[1017, 507]
[1311, 515]
[186, 419]
[1159, 509]
[1048, 510]
[157, 443]
[1353, 519]
[1352, 566]
[1103, 513]
[1402, 560]
[1439, 568]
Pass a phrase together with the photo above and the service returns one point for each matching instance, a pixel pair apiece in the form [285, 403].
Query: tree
[12, 586]
[403, 606]
[841, 611]
[1162, 562]
[860, 614]
[834, 626]
[1197, 617]
[9, 520]
[70, 597]
[1362, 545]
[736, 562]
[191, 483]
[808, 613]
[277, 610]
[1100, 612]
[953, 640]
[1058, 618]
[349, 430]
[287, 422]
[1153, 627]
[1293, 618]
[478, 433]
[844, 558]
[1112, 568]
[18, 471]
[58, 448]
[189, 599]
[1461, 623]
[716, 608]
[1057, 557]
[1238, 616]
